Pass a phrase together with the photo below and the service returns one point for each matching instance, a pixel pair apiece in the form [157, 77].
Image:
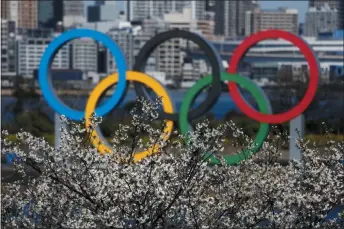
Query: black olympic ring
[214, 59]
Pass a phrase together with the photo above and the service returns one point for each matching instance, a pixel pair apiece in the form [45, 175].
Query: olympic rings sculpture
[264, 115]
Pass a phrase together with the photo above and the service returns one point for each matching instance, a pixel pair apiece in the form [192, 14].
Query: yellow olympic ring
[131, 76]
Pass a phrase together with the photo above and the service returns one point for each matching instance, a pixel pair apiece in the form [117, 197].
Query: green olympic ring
[263, 105]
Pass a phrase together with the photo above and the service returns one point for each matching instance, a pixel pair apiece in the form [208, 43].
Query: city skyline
[301, 6]
[229, 21]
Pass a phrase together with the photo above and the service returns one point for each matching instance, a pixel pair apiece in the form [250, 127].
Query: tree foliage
[76, 187]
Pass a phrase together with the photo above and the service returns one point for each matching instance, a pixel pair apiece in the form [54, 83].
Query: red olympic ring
[313, 81]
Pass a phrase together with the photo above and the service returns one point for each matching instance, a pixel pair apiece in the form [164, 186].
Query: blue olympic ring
[45, 81]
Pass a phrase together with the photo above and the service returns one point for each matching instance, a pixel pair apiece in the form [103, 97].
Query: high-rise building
[171, 57]
[283, 19]
[73, 7]
[4, 45]
[103, 12]
[334, 4]
[5, 9]
[73, 12]
[10, 11]
[320, 3]
[152, 8]
[31, 45]
[172, 53]
[28, 14]
[149, 9]
[50, 13]
[230, 17]
[319, 20]
[84, 55]
[200, 9]
[8, 48]
[23, 13]
[102, 54]
[150, 27]
[124, 36]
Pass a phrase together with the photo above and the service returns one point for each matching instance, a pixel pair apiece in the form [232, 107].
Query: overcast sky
[301, 6]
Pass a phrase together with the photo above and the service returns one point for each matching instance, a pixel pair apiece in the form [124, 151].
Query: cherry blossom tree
[177, 187]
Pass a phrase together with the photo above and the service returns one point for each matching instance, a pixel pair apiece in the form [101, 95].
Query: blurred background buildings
[28, 26]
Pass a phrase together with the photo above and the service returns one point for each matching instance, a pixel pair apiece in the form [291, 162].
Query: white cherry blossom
[76, 187]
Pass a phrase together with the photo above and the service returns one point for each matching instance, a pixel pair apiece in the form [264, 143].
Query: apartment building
[156, 9]
[8, 48]
[85, 55]
[320, 19]
[30, 50]
[23, 13]
[230, 17]
[124, 36]
[320, 3]
[73, 12]
[283, 19]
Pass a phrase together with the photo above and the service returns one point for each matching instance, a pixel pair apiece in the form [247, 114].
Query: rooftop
[324, 8]
[279, 10]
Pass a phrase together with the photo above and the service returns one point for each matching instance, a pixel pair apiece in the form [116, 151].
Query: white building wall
[170, 55]
[14, 11]
[322, 19]
[125, 40]
[85, 55]
[149, 28]
[151, 8]
[30, 51]
[73, 12]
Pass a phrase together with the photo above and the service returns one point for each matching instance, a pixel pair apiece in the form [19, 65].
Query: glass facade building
[50, 13]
